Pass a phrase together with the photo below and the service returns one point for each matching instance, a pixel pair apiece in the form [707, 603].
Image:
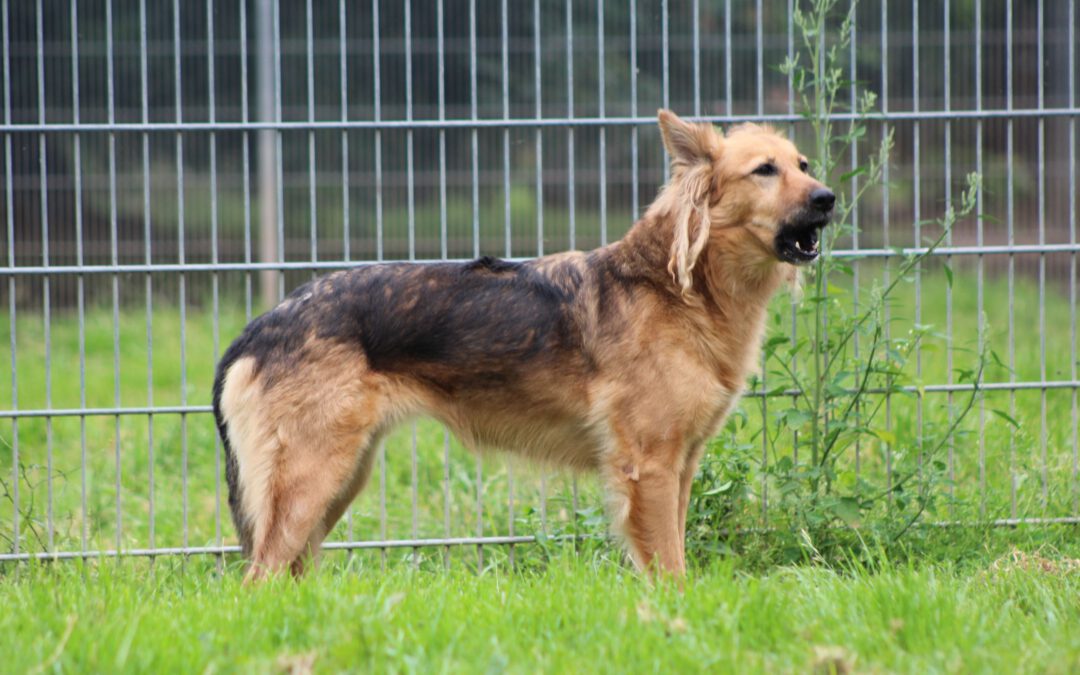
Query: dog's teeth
[798, 245]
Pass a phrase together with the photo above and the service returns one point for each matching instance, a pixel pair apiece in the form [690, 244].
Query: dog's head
[752, 178]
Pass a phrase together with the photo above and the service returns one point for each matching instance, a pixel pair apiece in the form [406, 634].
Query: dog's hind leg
[324, 425]
[314, 476]
[310, 555]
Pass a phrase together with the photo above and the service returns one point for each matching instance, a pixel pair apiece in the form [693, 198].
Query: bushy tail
[232, 469]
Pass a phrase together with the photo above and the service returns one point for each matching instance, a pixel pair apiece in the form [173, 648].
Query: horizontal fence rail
[167, 176]
[507, 123]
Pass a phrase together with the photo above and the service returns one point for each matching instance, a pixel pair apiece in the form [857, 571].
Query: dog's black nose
[823, 199]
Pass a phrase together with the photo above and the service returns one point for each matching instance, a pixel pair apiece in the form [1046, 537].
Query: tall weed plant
[826, 469]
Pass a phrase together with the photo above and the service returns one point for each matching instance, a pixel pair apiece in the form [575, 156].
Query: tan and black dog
[624, 360]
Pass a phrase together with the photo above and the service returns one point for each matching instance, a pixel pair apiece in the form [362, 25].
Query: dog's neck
[734, 270]
[734, 279]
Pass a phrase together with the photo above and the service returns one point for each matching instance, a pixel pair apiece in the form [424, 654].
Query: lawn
[577, 613]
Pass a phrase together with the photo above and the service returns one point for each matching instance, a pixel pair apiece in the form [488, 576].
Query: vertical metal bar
[446, 493]
[382, 500]
[1042, 256]
[178, 90]
[410, 179]
[885, 226]
[538, 138]
[15, 514]
[279, 154]
[696, 10]
[80, 282]
[665, 55]
[916, 160]
[727, 55]
[214, 281]
[43, 189]
[479, 511]
[951, 459]
[443, 247]
[245, 152]
[854, 103]
[148, 284]
[415, 491]
[601, 112]
[475, 149]
[664, 79]
[635, 197]
[571, 200]
[917, 210]
[346, 239]
[313, 202]
[1012, 240]
[265, 24]
[114, 259]
[759, 54]
[1072, 259]
[507, 231]
[376, 55]
[980, 263]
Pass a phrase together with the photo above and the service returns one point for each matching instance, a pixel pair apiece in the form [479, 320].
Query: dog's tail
[243, 525]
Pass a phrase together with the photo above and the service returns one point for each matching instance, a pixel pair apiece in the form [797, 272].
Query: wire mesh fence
[170, 169]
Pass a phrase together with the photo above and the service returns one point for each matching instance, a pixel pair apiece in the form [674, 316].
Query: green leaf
[1007, 417]
[719, 489]
[795, 418]
[948, 274]
[777, 340]
[862, 170]
[847, 509]
[887, 436]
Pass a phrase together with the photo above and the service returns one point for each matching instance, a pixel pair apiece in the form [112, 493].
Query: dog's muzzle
[798, 239]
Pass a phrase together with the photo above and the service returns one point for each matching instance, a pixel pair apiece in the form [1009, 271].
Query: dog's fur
[624, 360]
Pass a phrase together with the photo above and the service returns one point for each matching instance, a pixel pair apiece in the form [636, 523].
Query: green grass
[573, 615]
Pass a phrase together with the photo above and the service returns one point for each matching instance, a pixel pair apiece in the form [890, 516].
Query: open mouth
[799, 243]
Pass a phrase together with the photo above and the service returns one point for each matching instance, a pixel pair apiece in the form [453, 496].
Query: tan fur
[667, 358]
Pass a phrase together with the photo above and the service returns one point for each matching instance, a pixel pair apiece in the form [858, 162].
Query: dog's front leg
[686, 483]
[650, 517]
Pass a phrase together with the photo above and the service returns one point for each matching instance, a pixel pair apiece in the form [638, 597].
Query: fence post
[268, 253]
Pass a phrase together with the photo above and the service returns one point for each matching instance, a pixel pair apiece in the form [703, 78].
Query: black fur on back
[455, 325]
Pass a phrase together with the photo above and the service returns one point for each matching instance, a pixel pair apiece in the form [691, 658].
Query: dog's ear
[686, 142]
[693, 148]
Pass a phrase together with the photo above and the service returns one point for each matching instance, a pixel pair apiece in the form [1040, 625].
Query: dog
[624, 360]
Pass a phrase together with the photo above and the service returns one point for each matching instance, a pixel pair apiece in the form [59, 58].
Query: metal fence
[163, 162]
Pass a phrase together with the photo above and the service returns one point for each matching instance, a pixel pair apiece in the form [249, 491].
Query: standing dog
[624, 360]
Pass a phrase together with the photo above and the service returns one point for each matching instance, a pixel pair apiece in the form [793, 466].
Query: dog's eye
[766, 169]
[803, 165]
